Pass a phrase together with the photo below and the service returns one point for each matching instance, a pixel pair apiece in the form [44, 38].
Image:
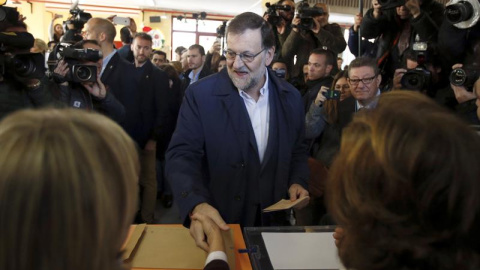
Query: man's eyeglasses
[364, 80]
[246, 57]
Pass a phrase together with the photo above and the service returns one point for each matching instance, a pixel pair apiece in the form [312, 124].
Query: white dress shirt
[259, 112]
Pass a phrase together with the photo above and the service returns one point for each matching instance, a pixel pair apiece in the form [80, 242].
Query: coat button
[184, 194]
[237, 198]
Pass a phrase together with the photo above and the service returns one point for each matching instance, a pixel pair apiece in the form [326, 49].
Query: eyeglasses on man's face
[364, 80]
[245, 57]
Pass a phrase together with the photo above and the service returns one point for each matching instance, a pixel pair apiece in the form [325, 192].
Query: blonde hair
[68, 190]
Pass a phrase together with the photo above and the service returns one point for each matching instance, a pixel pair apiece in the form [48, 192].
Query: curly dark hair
[405, 188]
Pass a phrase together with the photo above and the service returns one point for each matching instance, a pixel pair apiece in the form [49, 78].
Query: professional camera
[466, 76]
[389, 4]
[79, 17]
[306, 15]
[418, 78]
[272, 11]
[74, 57]
[462, 13]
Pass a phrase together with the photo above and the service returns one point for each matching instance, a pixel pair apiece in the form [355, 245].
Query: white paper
[313, 250]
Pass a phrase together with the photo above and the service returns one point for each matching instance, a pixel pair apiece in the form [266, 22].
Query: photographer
[75, 25]
[90, 94]
[466, 97]
[397, 26]
[280, 16]
[21, 86]
[320, 33]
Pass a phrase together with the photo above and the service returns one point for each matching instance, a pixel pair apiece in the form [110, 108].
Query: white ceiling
[221, 7]
[176, 7]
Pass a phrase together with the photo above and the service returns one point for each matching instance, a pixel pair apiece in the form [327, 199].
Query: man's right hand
[397, 78]
[197, 229]
[212, 232]
[357, 22]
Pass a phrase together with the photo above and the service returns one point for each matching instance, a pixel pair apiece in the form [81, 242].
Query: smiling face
[248, 76]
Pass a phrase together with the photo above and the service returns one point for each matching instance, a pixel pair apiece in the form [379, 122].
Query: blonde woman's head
[67, 190]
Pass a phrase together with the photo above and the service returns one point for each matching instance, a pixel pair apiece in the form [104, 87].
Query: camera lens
[83, 73]
[459, 12]
[413, 81]
[458, 77]
[23, 67]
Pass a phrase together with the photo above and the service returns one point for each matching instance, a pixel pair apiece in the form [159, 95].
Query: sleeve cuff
[216, 255]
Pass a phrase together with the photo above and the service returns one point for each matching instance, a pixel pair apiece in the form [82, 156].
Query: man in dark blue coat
[239, 143]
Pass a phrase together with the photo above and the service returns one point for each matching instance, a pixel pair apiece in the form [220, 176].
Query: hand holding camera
[96, 89]
[461, 92]
[321, 96]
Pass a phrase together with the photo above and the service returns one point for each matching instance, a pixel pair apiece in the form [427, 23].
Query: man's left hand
[296, 192]
[96, 89]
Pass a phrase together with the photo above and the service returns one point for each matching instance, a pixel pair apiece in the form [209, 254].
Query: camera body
[280, 73]
[389, 4]
[74, 58]
[332, 94]
[272, 11]
[306, 14]
[418, 78]
[462, 13]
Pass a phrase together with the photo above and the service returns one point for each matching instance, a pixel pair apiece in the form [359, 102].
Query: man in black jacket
[301, 42]
[149, 119]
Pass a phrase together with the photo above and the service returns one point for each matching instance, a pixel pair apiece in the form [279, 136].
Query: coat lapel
[238, 115]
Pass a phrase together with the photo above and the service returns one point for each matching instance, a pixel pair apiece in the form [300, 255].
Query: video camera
[462, 13]
[418, 78]
[78, 18]
[74, 57]
[306, 14]
[272, 11]
[389, 4]
[221, 29]
[15, 57]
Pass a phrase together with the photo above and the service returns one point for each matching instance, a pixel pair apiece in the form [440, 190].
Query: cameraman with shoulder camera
[396, 23]
[311, 30]
[22, 74]
[280, 16]
[79, 81]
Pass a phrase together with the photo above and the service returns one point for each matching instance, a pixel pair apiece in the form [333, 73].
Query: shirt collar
[370, 105]
[107, 59]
